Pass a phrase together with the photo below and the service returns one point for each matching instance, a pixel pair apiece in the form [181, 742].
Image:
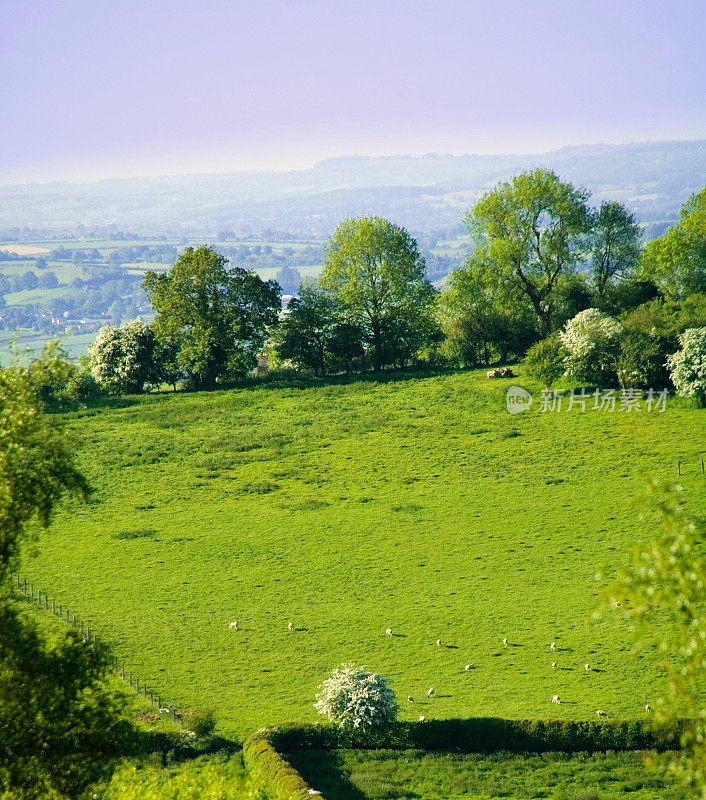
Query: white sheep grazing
[505, 641]
[233, 625]
[553, 664]
[555, 698]
[601, 713]
[586, 667]
[552, 646]
[290, 627]
[389, 631]
[430, 692]
[648, 708]
[422, 718]
[438, 642]
[468, 666]
[410, 699]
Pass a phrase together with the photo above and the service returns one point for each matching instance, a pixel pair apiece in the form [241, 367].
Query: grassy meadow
[398, 775]
[415, 503]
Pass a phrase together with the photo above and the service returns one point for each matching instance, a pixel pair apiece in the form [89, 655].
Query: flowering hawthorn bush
[353, 697]
[592, 342]
[688, 365]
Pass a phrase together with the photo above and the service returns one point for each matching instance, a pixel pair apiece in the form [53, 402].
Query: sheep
[468, 666]
[505, 641]
[552, 646]
[553, 664]
[586, 667]
[430, 692]
[422, 718]
[410, 699]
[164, 710]
[601, 713]
[648, 708]
[389, 631]
[233, 625]
[555, 698]
[290, 627]
[438, 642]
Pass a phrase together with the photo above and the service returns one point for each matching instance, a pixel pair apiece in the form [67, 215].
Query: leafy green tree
[216, 317]
[532, 230]
[545, 360]
[36, 466]
[122, 358]
[615, 246]
[59, 725]
[310, 333]
[642, 361]
[676, 261]
[482, 317]
[60, 382]
[664, 585]
[377, 275]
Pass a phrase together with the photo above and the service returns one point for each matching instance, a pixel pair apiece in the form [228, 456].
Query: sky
[96, 88]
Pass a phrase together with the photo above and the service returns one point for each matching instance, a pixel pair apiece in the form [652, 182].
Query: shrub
[592, 342]
[202, 723]
[353, 697]
[545, 360]
[642, 361]
[688, 365]
[122, 359]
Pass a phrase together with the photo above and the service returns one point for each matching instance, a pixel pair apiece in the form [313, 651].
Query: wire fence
[42, 600]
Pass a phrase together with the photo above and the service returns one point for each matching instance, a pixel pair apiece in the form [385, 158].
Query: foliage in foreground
[667, 578]
[205, 778]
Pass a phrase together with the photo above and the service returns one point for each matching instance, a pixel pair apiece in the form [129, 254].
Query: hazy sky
[96, 88]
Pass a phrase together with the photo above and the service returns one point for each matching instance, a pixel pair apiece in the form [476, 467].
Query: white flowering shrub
[122, 358]
[592, 343]
[688, 366]
[353, 697]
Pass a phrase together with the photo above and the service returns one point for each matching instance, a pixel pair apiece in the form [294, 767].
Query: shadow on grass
[323, 771]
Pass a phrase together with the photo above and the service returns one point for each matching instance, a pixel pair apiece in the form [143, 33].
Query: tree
[688, 365]
[676, 261]
[59, 382]
[59, 724]
[48, 280]
[289, 279]
[482, 317]
[310, 334]
[217, 317]
[592, 343]
[122, 358]
[664, 585]
[377, 275]
[615, 246]
[545, 360]
[36, 466]
[532, 229]
[27, 281]
[353, 697]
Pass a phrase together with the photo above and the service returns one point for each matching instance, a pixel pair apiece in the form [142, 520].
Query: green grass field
[416, 503]
[403, 775]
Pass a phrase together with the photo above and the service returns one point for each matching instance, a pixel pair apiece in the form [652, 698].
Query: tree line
[541, 256]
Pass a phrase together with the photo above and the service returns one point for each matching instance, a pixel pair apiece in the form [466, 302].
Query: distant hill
[427, 194]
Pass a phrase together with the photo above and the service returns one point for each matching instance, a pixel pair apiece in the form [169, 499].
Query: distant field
[24, 249]
[417, 504]
[400, 775]
[31, 343]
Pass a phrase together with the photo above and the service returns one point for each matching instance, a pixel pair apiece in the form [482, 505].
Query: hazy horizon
[153, 88]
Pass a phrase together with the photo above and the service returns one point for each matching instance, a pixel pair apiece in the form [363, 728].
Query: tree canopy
[376, 272]
[532, 229]
[215, 317]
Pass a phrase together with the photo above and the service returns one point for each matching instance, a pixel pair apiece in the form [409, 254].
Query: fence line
[41, 599]
[687, 461]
